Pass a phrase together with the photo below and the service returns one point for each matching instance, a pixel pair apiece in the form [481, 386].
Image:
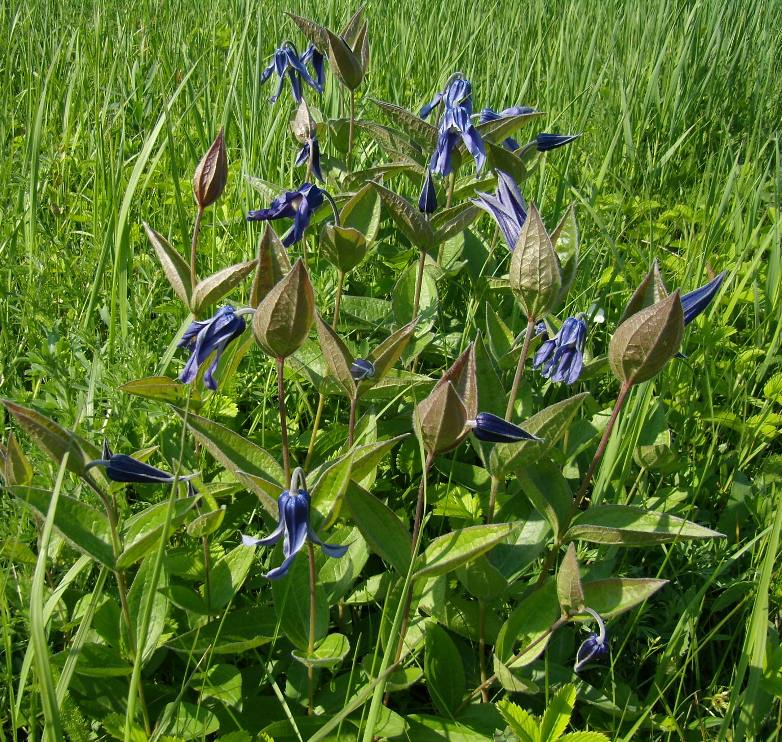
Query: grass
[107, 107]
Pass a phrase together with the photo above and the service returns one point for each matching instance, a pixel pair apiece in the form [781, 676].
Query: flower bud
[535, 275]
[283, 319]
[302, 124]
[646, 340]
[211, 174]
[441, 419]
[649, 291]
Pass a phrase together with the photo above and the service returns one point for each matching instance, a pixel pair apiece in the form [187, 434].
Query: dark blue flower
[546, 142]
[507, 207]
[205, 337]
[457, 92]
[312, 55]
[427, 201]
[488, 427]
[123, 468]
[594, 646]
[362, 369]
[541, 329]
[488, 114]
[298, 205]
[311, 150]
[456, 125]
[287, 61]
[696, 301]
[294, 527]
[562, 357]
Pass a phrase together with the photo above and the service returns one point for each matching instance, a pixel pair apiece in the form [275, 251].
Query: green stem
[419, 279]
[286, 461]
[352, 420]
[194, 246]
[351, 130]
[311, 640]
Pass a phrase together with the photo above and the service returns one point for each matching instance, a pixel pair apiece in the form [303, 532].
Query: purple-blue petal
[696, 301]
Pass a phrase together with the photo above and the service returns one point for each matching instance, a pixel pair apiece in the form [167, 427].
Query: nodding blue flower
[205, 337]
[362, 369]
[310, 151]
[456, 125]
[507, 207]
[562, 357]
[298, 205]
[293, 527]
[488, 114]
[313, 56]
[545, 142]
[696, 301]
[488, 427]
[457, 92]
[594, 646]
[286, 60]
[541, 329]
[123, 468]
[427, 201]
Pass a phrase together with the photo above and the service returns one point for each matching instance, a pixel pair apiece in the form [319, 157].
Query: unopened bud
[211, 174]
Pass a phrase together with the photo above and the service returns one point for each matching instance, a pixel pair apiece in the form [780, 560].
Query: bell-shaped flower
[696, 301]
[123, 468]
[561, 358]
[488, 427]
[315, 58]
[427, 201]
[488, 114]
[310, 153]
[594, 646]
[298, 205]
[286, 61]
[294, 528]
[545, 142]
[455, 126]
[457, 92]
[507, 206]
[205, 337]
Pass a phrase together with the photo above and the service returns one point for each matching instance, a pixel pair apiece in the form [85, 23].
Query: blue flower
[123, 468]
[206, 337]
[311, 149]
[311, 54]
[594, 646]
[427, 202]
[546, 142]
[298, 205]
[507, 207]
[456, 125]
[294, 527]
[457, 92]
[488, 114]
[287, 60]
[362, 369]
[696, 301]
[488, 427]
[562, 357]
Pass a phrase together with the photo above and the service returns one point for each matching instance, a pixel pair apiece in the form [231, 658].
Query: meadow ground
[105, 108]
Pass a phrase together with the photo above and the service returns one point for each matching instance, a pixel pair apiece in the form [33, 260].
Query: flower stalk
[286, 461]
[194, 245]
[311, 639]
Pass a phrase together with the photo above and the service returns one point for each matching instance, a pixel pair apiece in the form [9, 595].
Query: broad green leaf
[450, 222]
[366, 309]
[569, 590]
[84, 527]
[328, 490]
[565, 239]
[496, 131]
[16, 467]
[292, 603]
[174, 265]
[584, 737]
[557, 714]
[527, 622]
[368, 456]
[329, 653]
[613, 596]
[403, 300]
[453, 549]
[213, 288]
[236, 631]
[206, 523]
[414, 126]
[542, 482]
[141, 592]
[550, 424]
[272, 264]
[222, 682]
[443, 670]
[522, 723]
[632, 526]
[407, 217]
[101, 661]
[338, 357]
[385, 355]
[515, 682]
[227, 575]
[187, 721]
[336, 576]
[459, 615]
[383, 531]
[490, 391]
[481, 579]
[394, 143]
[163, 389]
[362, 212]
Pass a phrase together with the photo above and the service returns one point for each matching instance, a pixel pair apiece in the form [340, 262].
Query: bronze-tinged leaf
[273, 264]
[316, 33]
[462, 375]
[338, 357]
[343, 62]
[352, 28]
[174, 265]
[215, 287]
[647, 340]
[650, 291]
[499, 129]
[17, 469]
[211, 174]
[343, 247]
[441, 419]
[450, 222]
[407, 217]
[414, 126]
[358, 46]
[569, 589]
[283, 319]
[363, 54]
[385, 355]
[395, 143]
[534, 274]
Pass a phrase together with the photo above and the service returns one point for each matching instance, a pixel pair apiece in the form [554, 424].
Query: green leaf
[396, 144]
[521, 722]
[368, 456]
[613, 596]
[329, 653]
[414, 126]
[382, 530]
[338, 357]
[557, 714]
[272, 264]
[292, 603]
[213, 288]
[546, 488]
[362, 212]
[101, 661]
[336, 576]
[84, 527]
[527, 622]
[450, 551]
[174, 265]
[187, 721]
[496, 131]
[403, 298]
[631, 526]
[139, 595]
[228, 575]
[443, 670]
[482, 579]
[450, 222]
[569, 590]
[584, 737]
[16, 466]
[330, 487]
[206, 523]
[235, 632]
[163, 389]
[385, 355]
[565, 239]
[222, 682]
[407, 217]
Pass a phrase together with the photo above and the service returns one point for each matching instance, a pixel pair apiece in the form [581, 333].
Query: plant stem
[419, 279]
[352, 420]
[451, 184]
[351, 131]
[286, 461]
[194, 245]
[338, 298]
[311, 640]
[620, 400]
[482, 648]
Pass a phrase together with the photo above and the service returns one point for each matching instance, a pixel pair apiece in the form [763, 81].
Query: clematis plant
[286, 62]
[298, 205]
[561, 358]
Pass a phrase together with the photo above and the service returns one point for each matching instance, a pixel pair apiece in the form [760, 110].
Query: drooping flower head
[507, 207]
[123, 468]
[310, 153]
[313, 56]
[457, 92]
[286, 61]
[205, 337]
[361, 369]
[488, 114]
[561, 358]
[594, 646]
[293, 527]
[298, 205]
